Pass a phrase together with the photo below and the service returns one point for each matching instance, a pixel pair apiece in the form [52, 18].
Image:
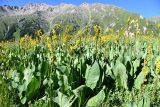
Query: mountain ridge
[43, 16]
[45, 7]
[33, 7]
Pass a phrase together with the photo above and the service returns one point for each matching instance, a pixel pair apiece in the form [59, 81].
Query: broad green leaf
[97, 100]
[27, 75]
[32, 88]
[146, 100]
[132, 104]
[23, 100]
[140, 104]
[136, 64]
[157, 59]
[45, 81]
[120, 74]
[92, 75]
[111, 55]
[83, 93]
[139, 80]
[62, 100]
[14, 84]
[44, 68]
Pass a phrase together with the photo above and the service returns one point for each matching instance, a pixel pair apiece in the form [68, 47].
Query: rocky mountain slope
[16, 20]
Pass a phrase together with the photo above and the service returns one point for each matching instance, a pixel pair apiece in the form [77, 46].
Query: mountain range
[16, 21]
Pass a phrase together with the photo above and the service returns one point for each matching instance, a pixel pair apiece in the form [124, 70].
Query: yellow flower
[51, 52]
[38, 33]
[158, 68]
[54, 35]
[25, 39]
[94, 38]
[104, 39]
[78, 42]
[127, 40]
[22, 40]
[53, 32]
[65, 39]
[145, 62]
[149, 52]
[50, 47]
[48, 39]
[149, 49]
[145, 68]
[116, 39]
[73, 48]
[33, 42]
[52, 58]
[97, 30]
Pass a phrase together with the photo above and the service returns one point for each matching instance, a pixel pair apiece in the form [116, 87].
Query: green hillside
[77, 17]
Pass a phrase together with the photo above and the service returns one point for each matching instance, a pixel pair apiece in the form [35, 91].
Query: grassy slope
[81, 18]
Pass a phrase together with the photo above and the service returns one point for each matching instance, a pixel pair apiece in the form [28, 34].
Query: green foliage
[92, 75]
[96, 100]
[139, 81]
[96, 70]
[120, 74]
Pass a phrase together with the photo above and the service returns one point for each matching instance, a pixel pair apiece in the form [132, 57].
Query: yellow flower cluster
[57, 26]
[116, 39]
[105, 39]
[149, 51]
[23, 39]
[33, 42]
[49, 43]
[145, 68]
[147, 38]
[127, 40]
[50, 47]
[54, 35]
[38, 33]
[74, 47]
[28, 39]
[65, 39]
[97, 30]
[158, 67]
